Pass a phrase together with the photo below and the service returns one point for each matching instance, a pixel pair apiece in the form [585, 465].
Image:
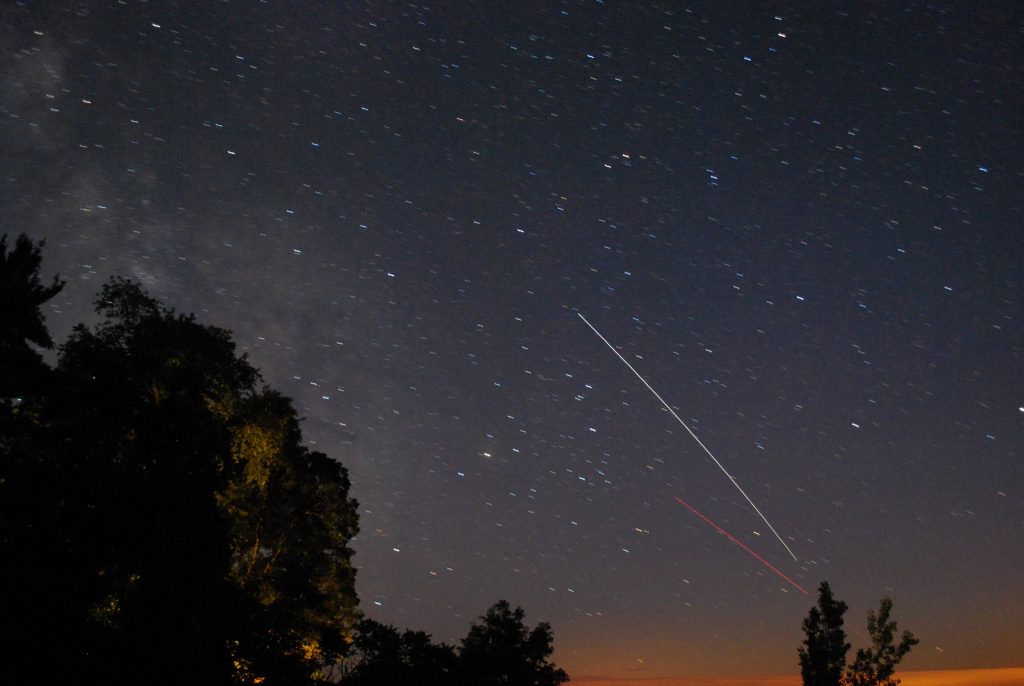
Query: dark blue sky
[802, 226]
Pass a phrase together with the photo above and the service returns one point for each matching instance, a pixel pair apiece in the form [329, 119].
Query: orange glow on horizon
[1013, 676]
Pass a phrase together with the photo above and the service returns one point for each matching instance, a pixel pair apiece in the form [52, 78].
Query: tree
[382, 655]
[22, 293]
[501, 650]
[823, 656]
[876, 665]
[291, 523]
[33, 590]
[21, 322]
[160, 519]
[143, 454]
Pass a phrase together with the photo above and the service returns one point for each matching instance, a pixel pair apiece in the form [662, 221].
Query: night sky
[801, 223]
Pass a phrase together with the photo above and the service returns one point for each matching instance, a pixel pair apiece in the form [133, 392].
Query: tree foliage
[22, 324]
[22, 293]
[823, 655]
[502, 650]
[875, 666]
[499, 650]
[291, 523]
[160, 519]
[382, 655]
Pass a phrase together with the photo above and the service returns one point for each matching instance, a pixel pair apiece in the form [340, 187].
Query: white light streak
[690, 431]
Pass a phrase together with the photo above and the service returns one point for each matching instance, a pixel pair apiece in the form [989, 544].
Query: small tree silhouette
[382, 655]
[823, 657]
[876, 665]
[21, 321]
[502, 651]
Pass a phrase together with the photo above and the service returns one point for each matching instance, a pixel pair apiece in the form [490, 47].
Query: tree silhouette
[34, 591]
[823, 655]
[22, 293]
[160, 519]
[876, 665]
[146, 456]
[382, 655]
[21, 322]
[501, 650]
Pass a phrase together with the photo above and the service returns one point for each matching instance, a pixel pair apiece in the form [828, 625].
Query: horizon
[1005, 676]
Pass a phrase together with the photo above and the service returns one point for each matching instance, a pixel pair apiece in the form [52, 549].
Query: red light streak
[735, 540]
